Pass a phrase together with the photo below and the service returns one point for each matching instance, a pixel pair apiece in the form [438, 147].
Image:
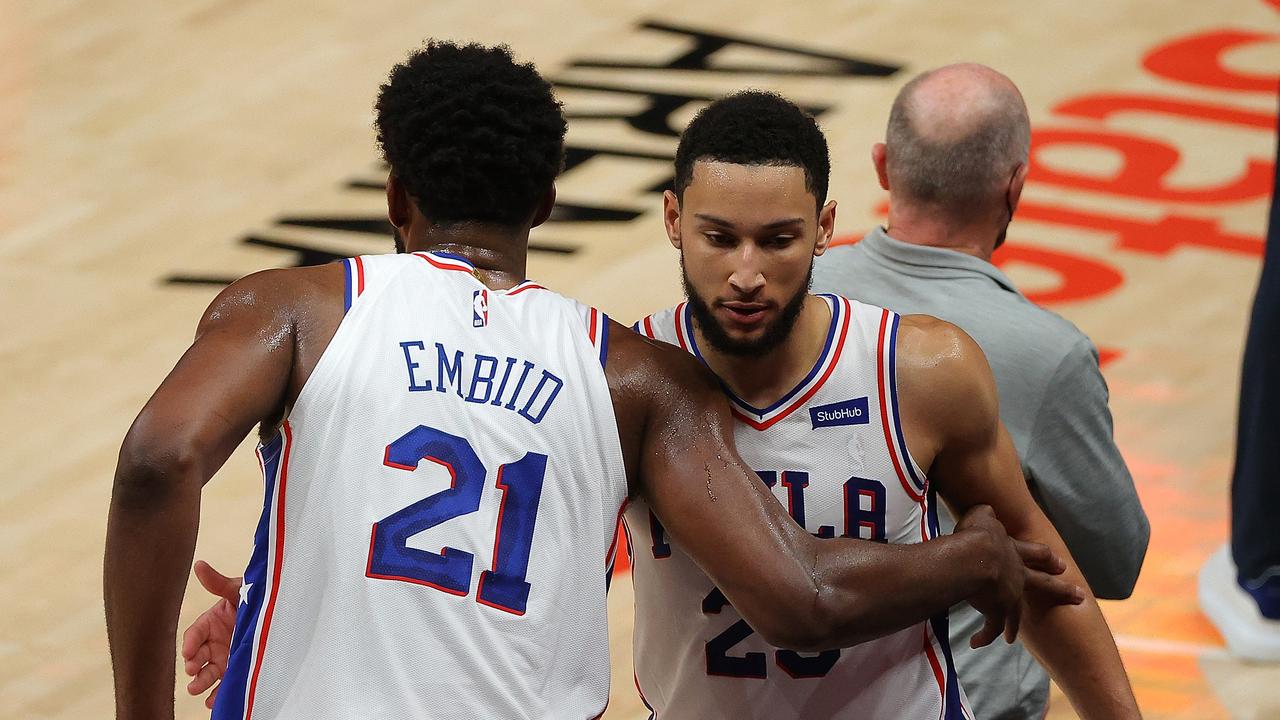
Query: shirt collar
[926, 261]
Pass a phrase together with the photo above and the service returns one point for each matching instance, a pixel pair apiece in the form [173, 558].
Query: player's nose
[747, 277]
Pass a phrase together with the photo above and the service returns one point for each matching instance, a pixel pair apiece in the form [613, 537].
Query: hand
[206, 645]
[1019, 567]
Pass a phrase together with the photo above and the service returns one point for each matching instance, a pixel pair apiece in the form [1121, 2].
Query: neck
[911, 225]
[761, 379]
[498, 254]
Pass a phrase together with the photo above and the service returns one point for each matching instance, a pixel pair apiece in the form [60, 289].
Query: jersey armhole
[886, 348]
[353, 274]
[598, 333]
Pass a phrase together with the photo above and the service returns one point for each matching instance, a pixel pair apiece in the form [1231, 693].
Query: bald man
[954, 162]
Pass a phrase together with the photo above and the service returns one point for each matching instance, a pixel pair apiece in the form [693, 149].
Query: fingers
[198, 660]
[1012, 622]
[208, 701]
[1039, 557]
[978, 514]
[194, 638]
[217, 583]
[1051, 589]
[990, 630]
[208, 675]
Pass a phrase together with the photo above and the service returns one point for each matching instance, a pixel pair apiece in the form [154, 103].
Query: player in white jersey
[446, 451]
[830, 450]
[840, 408]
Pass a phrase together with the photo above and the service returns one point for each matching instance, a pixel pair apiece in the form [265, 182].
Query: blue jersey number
[503, 586]
[864, 508]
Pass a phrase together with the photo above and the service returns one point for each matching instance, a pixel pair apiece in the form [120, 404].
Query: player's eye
[718, 239]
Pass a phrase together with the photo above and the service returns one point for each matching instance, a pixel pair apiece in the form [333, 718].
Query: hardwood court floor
[151, 149]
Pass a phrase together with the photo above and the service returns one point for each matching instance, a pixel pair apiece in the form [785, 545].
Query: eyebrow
[784, 222]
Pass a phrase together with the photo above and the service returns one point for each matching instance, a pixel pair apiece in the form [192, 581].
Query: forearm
[1074, 643]
[151, 534]
[874, 589]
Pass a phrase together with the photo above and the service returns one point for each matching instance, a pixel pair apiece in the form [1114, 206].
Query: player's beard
[774, 334]
[399, 241]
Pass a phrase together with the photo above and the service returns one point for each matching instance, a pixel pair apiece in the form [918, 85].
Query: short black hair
[473, 135]
[753, 127]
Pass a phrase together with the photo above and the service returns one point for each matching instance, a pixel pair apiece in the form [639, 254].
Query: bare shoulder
[273, 299]
[641, 367]
[942, 371]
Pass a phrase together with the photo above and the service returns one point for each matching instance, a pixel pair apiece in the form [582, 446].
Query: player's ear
[399, 211]
[879, 155]
[545, 207]
[1015, 186]
[826, 227]
[671, 217]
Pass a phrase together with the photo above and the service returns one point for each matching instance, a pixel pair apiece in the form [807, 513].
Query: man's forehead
[756, 190]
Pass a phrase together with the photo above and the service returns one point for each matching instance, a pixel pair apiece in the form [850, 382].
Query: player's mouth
[743, 316]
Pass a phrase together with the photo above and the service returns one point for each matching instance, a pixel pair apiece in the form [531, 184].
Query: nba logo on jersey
[480, 308]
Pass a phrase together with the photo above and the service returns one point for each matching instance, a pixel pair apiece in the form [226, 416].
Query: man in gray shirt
[954, 163]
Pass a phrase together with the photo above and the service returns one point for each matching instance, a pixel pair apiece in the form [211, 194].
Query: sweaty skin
[259, 342]
[748, 235]
[952, 426]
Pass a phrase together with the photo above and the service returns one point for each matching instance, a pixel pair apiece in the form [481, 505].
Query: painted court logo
[849, 412]
[480, 308]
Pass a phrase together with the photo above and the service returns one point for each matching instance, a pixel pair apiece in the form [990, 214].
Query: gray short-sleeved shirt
[1053, 401]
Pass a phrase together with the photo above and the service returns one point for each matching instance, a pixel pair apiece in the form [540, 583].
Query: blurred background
[151, 152]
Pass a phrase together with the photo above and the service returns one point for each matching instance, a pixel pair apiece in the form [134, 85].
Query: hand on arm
[950, 401]
[233, 376]
[795, 590]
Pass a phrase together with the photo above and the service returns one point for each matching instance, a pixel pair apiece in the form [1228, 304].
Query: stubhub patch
[849, 412]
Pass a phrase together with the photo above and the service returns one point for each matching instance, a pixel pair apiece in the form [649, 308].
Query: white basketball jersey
[440, 511]
[833, 452]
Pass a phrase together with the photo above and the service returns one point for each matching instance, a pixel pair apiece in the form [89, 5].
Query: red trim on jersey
[648, 327]
[680, 327]
[835, 359]
[881, 374]
[359, 276]
[937, 666]
[613, 546]
[275, 570]
[445, 265]
[591, 330]
[522, 288]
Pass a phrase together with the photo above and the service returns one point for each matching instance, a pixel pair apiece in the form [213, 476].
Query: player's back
[440, 510]
[833, 451]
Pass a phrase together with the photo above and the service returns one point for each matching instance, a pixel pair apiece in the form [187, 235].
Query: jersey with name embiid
[833, 452]
[440, 510]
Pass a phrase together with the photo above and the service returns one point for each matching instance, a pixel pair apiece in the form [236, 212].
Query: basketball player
[447, 447]
[859, 421]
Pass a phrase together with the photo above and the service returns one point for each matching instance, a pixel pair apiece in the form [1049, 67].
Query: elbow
[809, 627]
[150, 469]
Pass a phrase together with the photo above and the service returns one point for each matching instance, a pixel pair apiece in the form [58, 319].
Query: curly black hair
[753, 127]
[473, 135]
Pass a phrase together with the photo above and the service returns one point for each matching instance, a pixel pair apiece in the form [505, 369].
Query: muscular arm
[236, 374]
[795, 590]
[952, 414]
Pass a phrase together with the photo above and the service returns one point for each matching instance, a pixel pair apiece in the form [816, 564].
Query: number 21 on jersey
[502, 586]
